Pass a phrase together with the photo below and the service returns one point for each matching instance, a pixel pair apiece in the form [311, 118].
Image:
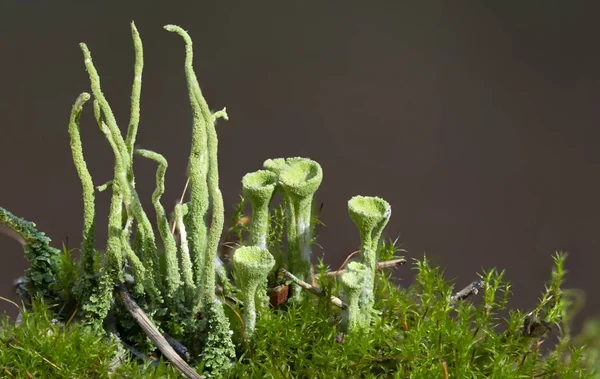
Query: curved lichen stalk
[198, 171]
[124, 195]
[87, 279]
[219, 348]
[172, 277]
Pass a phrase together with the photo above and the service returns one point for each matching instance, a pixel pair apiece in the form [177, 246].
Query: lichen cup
[371, 215]
[252, 265]
[259, 187]
[300, 179]
[353, 283]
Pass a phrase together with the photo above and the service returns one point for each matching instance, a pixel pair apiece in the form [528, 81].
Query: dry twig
[380, 266]
[155, 336]
[314, 290]
[471, 289]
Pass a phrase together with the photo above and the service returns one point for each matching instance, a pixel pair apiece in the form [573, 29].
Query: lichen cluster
[174, 279]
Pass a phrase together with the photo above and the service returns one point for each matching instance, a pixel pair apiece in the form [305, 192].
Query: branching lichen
[204, 175]
[198, 171]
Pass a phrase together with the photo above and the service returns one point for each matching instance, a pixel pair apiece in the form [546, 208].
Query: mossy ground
[418, 332]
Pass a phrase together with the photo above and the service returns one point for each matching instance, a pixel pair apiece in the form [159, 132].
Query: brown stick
[314, 290]
[471, 289]
[155, 336]
[380, 266]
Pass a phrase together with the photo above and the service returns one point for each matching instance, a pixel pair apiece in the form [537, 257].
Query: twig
[187, 182]
[155, 336]
[471, 289]
[339, 270]
[380, 266]
[314, 290]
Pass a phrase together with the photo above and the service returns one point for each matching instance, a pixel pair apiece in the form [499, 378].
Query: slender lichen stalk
[89, 225]
[371, 215]
[99, 304]
[259, 188]
[124, 193]
[198, 171]
[136, 90]
[219, 348]
[252, 265]
[172, 278]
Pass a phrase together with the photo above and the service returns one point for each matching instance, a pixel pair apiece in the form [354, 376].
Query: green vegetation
[148, 307]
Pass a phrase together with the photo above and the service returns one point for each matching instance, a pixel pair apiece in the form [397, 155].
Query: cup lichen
[299, 179]
[353, 282]
[371, 215]
[252, 265]
[259, 188]
[175, 283]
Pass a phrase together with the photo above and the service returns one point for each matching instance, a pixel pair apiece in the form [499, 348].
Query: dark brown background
[478, 123]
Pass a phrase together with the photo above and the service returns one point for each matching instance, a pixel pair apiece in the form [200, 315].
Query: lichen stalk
[198, 187]
[144, 238]
[172, 277]
[219, 345]
[139, 271]
[99, 304]
[89, 224]
[134, 118]
[107, 113]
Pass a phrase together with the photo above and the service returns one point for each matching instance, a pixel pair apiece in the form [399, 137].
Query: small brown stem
[471, 289]
[155, 336]
[314, 290]
[380, 266]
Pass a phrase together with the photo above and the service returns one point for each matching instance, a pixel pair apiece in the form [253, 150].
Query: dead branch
[155, 336]
[314, 290]
[471, 289]
[380, 266]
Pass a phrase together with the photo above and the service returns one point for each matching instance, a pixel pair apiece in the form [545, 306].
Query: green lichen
[204, 176]
[252, 265]
[259, 188]
[172, 278]
[198, 171]
[353, 282]
[371, 215]
[40, 277]
[300, 179]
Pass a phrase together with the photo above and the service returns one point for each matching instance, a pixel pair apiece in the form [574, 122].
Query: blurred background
[479, 123]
